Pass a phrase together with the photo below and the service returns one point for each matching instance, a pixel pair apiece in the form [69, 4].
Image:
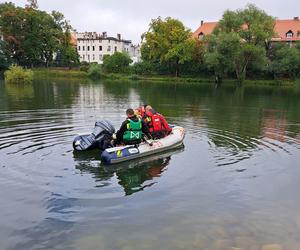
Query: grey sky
[132, 17]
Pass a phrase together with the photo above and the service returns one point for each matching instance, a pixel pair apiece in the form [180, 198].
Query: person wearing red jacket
[157, 124]
[140, 111]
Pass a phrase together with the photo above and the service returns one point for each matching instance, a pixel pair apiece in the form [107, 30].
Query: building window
[100, 57]
[88, 57]
[83, 48]
[83, 57]
[93, 57]
[108, 41]
[78, 48]
[109, 48]
[100, 48]
[289, 34]
[88, 48]
[200, 36]
[116, 48]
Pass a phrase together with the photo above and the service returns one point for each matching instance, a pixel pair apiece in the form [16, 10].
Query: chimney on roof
[119, 36]
[296, 18]
[104, 34]
[201, 22]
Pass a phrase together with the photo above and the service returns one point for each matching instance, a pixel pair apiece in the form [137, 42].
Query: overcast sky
[132, 17]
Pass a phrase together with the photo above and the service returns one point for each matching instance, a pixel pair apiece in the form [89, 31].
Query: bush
[94, 71]
[16, 74]
[84, 66]
[134, 77]
[143, 68]
[116, 63]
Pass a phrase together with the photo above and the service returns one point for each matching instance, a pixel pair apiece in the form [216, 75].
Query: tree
[285, 61]
[32, 4]
[116, 63]
[221, 53]
[11, 25]
[168, 42]
[67, 53]
[34, 37]
[4, 56]
[249, 31]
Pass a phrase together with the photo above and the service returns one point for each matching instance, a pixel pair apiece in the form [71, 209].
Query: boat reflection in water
[133, 176]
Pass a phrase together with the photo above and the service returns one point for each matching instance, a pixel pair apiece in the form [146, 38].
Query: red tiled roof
[73, 40]
[282, 27]
[206, 28]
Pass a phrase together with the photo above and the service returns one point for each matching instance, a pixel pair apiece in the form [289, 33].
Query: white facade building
[92, 47]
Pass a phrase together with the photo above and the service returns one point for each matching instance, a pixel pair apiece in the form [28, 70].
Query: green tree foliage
[94, 71]
[168, 42]
[239, 40]
[285, 61]
[67, 53]
[221, 52]
[34, 37]
[143, 68]
[116, 63]
[4, 56]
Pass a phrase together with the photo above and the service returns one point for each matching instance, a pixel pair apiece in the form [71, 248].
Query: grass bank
[75, 73]
[194, 79]
[58, 72]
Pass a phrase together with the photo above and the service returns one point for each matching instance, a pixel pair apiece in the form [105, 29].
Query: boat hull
[130, 152]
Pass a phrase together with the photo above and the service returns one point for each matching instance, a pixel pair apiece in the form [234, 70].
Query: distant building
[286, 30]
[135, 53]
[92, 46]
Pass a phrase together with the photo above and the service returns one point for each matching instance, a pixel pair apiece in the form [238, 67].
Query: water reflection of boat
[133, 176]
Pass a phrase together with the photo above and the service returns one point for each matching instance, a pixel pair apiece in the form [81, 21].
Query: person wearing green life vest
[132, 130]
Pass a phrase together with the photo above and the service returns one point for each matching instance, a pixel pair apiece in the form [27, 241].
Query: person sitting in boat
[132, 130]
[157, 124]
[140, 111]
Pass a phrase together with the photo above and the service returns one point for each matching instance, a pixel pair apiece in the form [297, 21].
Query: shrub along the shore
[94, 71]
[16, 74]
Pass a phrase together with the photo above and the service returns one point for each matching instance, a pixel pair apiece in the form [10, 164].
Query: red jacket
[157, 122]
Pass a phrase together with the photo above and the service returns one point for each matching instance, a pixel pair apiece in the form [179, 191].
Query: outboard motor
[99, 138]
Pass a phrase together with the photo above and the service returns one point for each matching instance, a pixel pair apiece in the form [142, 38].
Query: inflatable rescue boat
[125, 153]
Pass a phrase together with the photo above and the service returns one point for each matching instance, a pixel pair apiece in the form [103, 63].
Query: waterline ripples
[235, 178]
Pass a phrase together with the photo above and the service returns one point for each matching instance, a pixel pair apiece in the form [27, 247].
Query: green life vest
[134, 131]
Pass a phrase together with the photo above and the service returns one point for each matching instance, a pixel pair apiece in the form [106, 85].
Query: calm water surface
[234, 185]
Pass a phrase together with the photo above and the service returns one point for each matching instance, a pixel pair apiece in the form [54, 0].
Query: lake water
[234, 185]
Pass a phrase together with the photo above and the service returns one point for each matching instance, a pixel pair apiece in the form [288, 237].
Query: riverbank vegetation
[16, 74]
[240, 48]
[58, 72]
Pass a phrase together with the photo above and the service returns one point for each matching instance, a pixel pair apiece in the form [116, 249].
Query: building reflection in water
[274, 123]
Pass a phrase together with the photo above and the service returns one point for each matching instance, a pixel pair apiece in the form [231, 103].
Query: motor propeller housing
[99, 138]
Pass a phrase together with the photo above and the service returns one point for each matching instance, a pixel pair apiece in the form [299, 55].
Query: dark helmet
[130, 112]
